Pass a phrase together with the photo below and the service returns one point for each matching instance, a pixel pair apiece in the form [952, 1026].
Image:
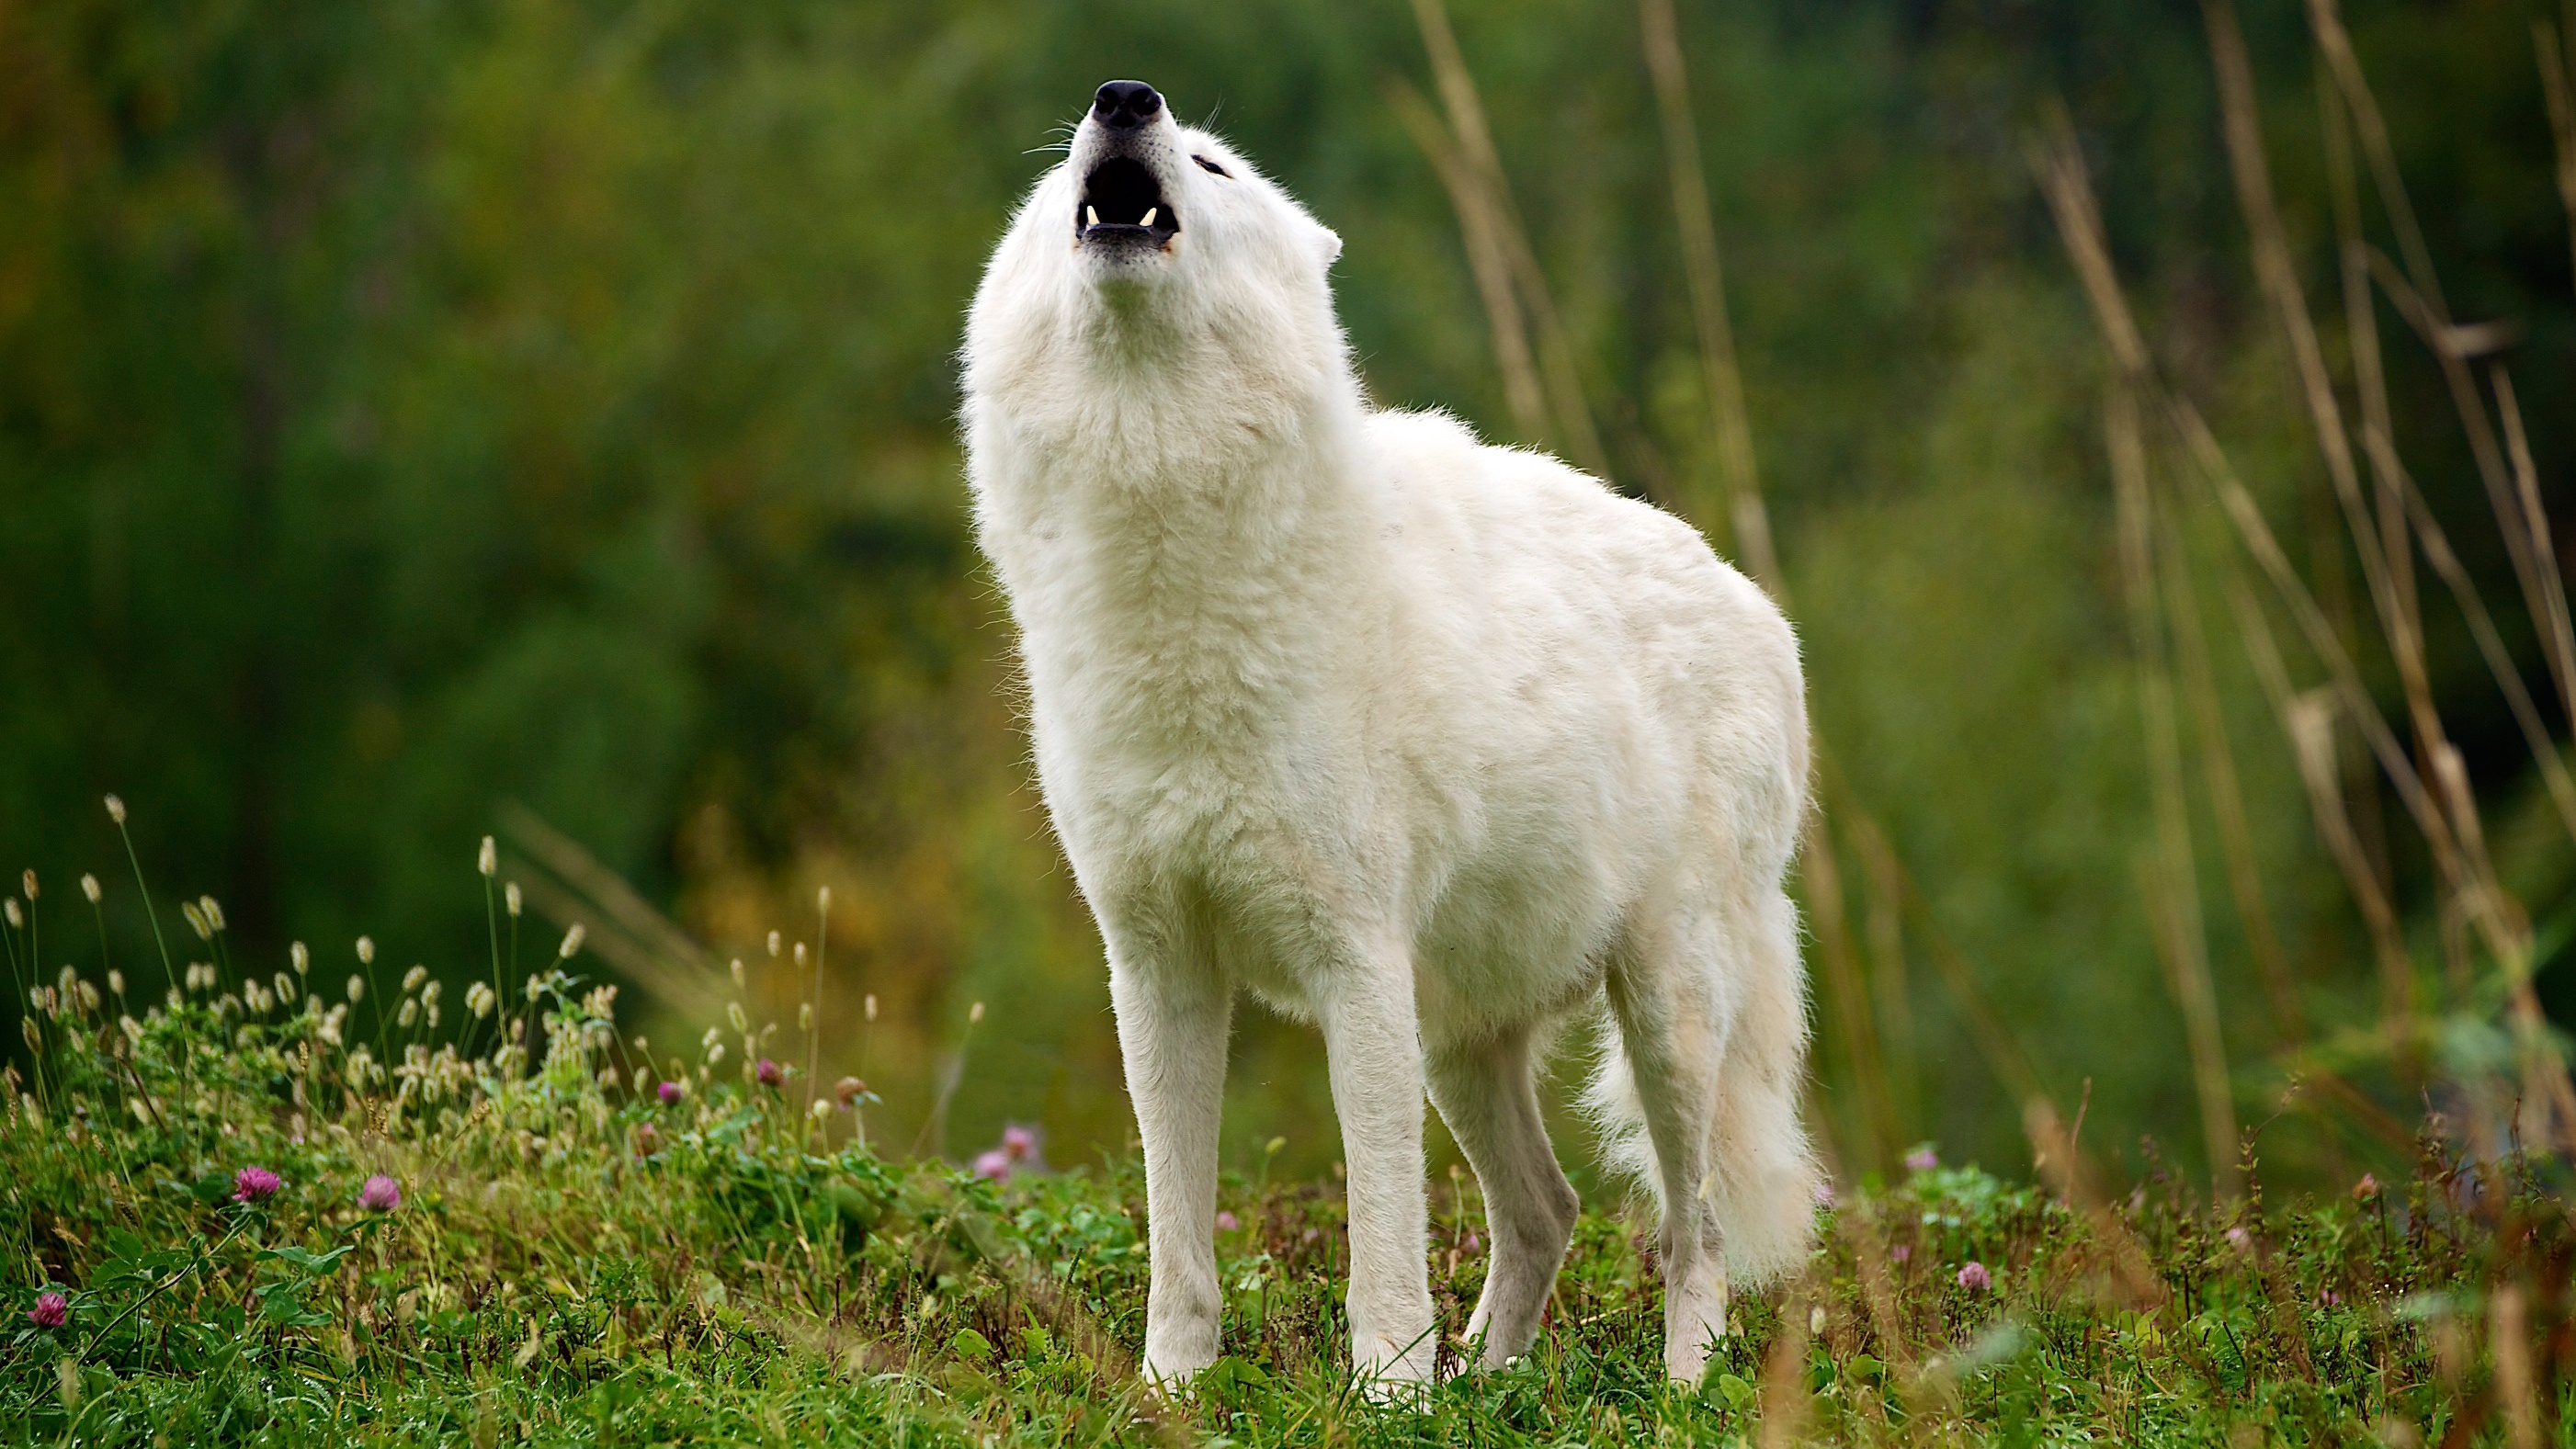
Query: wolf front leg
[1375, 1057]
[1172, 1020]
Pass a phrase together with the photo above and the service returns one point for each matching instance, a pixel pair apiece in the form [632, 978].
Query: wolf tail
[1763, 1183]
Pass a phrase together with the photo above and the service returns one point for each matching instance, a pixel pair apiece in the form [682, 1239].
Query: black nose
[1125, 105]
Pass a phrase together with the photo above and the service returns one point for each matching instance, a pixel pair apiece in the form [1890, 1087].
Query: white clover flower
[487, 860]
[413, 978]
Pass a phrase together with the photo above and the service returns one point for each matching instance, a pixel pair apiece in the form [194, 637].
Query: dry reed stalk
[2170, 876]
[2558, 87]
[1485, 260]
[2219, 779]
[2553, 618]
[1892, 989]
[1786, 1403]
[2126, 1269]
[1818, 862]
[1483, 164]
[1995, 1042]
[1720, 375]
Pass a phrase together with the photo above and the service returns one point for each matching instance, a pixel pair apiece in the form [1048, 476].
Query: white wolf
[1434, 744]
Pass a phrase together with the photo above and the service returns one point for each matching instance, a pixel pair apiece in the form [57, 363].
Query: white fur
[1435, 744]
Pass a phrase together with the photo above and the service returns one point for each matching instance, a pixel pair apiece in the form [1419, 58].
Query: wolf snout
[1123, 105]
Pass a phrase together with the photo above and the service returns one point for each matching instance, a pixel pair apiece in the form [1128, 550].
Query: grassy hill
[230, 1218]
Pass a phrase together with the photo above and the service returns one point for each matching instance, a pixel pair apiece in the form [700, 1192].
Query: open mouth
[1121, 201]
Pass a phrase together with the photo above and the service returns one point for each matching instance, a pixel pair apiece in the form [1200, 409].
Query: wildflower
[256, 995]
[2239, 1239]
[822, 1109]
[2328, 1298]
[366, 950]
[769, 1073]
[1901, 1252]
[214, 912]
[870, 1006]
[255, 1184]
[733, 1013]
[737, 974]
[571, 942]
[773, 945]
[27, 883]
[413, 978]
[2366, 1189]
[848, 1090]
[9, 910]
[88, 996]
[429, 994]
[1824, 1194]
[537, 984]
[52, 1310]
[715, 1054]
[647, 1140]
[89, 888]
[995, 1165]
[431, 1011]
[300, 958]
[671, 1093]
[133, 1029]
[285, 987]
[357, 988]
[409, 1014]
[478, 1000]
[510, 900]
[197, 920]
[1922, 1159]
[1226, 1222]
[804, 1016]
[713, 1036]
[380, 1194]
[115, 810]
[487, 860]
[1018, 1142]
[27, 1029]
[975, 1013]
[1975, 1278]
[800, 955]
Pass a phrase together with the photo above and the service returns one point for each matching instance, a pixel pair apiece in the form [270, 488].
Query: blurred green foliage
[409, 407]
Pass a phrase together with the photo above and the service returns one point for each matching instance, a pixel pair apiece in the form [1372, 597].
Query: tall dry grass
[2171, 474]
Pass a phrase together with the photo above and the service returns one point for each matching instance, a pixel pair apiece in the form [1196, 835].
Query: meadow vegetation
[234, 1217]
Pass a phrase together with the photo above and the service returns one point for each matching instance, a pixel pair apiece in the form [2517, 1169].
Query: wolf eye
[1206, 164]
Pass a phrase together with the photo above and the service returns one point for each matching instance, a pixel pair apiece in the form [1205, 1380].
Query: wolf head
[1154, 252]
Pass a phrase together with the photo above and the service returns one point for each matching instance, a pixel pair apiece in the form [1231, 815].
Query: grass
[576, 1259]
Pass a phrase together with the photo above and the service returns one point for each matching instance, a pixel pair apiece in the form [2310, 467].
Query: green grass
[574, 1261]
